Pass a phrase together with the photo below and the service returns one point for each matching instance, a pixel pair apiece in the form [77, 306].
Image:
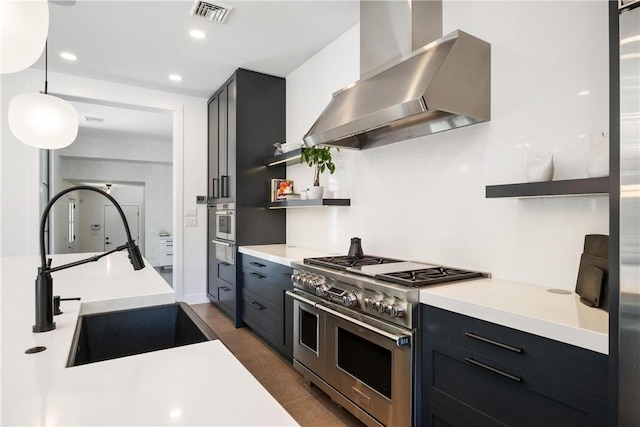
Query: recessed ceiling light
[68, 56]
[175, 77]
[584, 93]
[197, 34]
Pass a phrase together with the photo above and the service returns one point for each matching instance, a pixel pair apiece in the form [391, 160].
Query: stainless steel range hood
[441, 86]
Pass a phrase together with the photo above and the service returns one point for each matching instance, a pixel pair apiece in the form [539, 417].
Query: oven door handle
[400, 340]
[224, 212]
[220, 242]
[294, 295]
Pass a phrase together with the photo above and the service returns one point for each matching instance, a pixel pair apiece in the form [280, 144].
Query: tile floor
[309, 407]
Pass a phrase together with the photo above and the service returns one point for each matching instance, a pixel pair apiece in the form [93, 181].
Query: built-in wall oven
[225, 235]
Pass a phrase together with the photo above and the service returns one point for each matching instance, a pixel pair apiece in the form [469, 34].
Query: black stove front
[343, 262]
[427, 276]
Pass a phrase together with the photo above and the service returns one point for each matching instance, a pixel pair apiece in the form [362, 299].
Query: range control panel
[376, 304]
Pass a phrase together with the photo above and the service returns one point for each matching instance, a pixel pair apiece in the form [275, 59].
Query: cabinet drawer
[227, 294]
[267, 268]
[227, 272]
[264, 315]
[462, 379]
[576, 367]
[264, 286]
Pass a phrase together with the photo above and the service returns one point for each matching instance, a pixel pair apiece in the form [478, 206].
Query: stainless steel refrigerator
[625, 216]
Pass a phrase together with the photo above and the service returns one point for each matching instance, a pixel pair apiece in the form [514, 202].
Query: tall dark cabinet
[246, 117]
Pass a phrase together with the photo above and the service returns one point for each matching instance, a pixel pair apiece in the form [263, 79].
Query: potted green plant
[320, 158]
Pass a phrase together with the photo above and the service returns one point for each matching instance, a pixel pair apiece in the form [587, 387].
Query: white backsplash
[424, 199]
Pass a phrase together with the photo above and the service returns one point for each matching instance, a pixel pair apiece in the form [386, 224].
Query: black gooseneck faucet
[44, 281]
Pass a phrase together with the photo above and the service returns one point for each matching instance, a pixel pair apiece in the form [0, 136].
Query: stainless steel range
[355, 320]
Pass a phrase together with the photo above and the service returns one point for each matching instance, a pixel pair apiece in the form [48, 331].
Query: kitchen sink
[105, 336]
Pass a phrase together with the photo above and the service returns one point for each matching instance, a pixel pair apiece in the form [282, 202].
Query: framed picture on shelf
[280, 189]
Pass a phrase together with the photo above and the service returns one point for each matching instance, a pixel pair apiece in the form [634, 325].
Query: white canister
[539, 168]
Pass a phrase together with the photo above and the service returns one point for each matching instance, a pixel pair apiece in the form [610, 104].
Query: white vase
[598, 158]
[315, 192]
[539, 168]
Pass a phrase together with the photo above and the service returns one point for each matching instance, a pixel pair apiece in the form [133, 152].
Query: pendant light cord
[46, 65]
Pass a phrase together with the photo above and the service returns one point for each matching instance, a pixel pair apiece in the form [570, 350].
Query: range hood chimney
[404, 92]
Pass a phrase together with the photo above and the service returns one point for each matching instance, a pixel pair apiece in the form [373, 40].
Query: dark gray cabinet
[266, 308]
[476, 373]
[246, 116]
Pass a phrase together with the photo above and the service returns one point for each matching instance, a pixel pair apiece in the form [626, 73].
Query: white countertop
[282, 254]
[525, 307]
[199, 384]
[529, 308]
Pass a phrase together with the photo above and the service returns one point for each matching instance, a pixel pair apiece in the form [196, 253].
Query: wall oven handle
[224, 213]
[400, 340]
[220, 242]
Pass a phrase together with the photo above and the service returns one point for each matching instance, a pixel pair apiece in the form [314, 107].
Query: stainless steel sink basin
[115, 334]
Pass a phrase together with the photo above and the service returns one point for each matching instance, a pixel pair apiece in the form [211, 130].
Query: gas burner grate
[427, 276]
[344, 262]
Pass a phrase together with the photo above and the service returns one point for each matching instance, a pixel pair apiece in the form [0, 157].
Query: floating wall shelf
[569, 187]
[290, 158]
[313, 203]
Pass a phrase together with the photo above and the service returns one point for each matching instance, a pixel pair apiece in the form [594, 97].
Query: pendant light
[23, 32]
[42, 120]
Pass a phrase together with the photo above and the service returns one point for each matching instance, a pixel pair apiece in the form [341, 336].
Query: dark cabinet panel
[227, 296]
[246, 117]
[227, 272]
[482, 374]
[214, 138]
[266, 309]
[577, 368]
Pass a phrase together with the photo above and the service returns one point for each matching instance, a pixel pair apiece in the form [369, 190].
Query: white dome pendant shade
[43, 121]
[23, 31]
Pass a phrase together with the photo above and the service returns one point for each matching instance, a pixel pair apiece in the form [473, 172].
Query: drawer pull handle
[169, 254]
[258, 275]
[257, 306]
[257, 264]
[490, 341]
[224, 288]
[224, 264]
[492, 369]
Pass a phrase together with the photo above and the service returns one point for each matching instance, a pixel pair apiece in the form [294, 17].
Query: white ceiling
[141, 42]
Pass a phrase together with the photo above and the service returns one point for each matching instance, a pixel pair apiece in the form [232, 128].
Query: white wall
[91, 207]
[423, 199]
[20, 210]
[124, 158]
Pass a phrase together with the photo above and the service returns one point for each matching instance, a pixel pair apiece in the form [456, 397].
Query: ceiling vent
[90, 119]
[215, 12]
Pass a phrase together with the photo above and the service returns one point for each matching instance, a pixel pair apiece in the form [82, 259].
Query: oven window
[366, 361]
[309, 330]
[224, 224]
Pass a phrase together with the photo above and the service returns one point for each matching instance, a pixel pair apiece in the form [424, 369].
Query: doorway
[114, 233]
[128, 150]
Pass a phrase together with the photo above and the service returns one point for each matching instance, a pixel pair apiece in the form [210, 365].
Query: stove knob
[321, 290]
[298, 278]
[307, 280]
[370, 303]
[396, 311]
[381, 307]
[349, 300]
